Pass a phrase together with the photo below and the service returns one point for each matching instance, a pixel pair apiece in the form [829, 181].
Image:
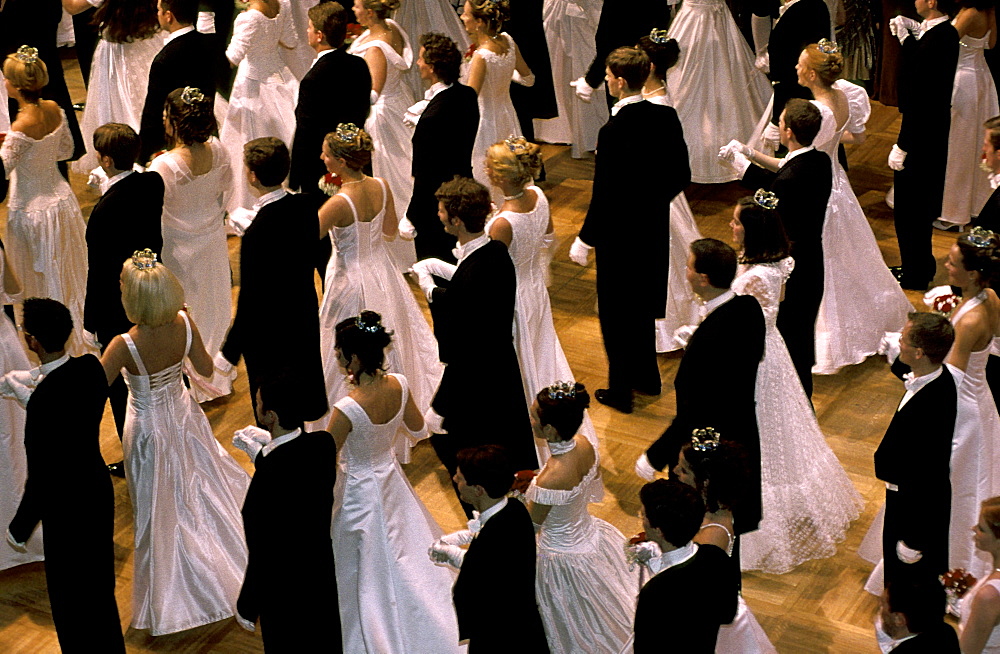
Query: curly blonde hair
[515, 160]
[356, 153]
[492, 12]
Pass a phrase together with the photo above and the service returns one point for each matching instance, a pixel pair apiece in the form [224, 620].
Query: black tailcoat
[805, 22]
[539, 99]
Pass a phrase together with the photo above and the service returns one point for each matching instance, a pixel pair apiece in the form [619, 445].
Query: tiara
[373, 327]
[191, 95]
[826, 46]
[26, 54]
[562, 390]
[658, 36]
[980, 237]
[765, 199]
[144, 259]
[347, 132]
[705, 440]
[516, 144]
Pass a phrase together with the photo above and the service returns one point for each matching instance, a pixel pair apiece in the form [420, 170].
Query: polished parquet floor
[818, 607]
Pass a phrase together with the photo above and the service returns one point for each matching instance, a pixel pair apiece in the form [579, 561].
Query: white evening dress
[807, 500]
[119, 76]
[586, 594]
[993, 642]
[718, 94]
[497, 119]
[362, 276]
[194, 249]
[299, 58]
[973, 102]
[187, 493]
[861, 299]
[682, 304]
[4, 110]
[13, 464]
[264, 93]
[46, 235]
[392, 159]
[393, 599]
[570, 27]
[419, 17]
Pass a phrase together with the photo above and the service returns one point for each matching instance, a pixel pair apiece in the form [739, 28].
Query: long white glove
[251, 439]
[20, 384]
[91, 339]
[583, 90]
[579, 252]
[644, 468]
[223, 365]
[407, 231]
[897, 157]
[523, 80]
[889, 346]
[902, 27]
[772, 136]
[246, 624]
[763, 63]
[425, 268]
[373, 96]
[761, 27]
[736, 155]
[906, 554]
[447, 549]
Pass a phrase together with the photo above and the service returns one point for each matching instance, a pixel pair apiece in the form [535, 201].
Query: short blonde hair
[516, 160]
[151, 296]
[28, 78]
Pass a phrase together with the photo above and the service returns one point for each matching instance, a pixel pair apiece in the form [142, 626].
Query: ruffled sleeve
[65, 148]
[858, 103]
[244, 29]
[14, 147]
[549, 496]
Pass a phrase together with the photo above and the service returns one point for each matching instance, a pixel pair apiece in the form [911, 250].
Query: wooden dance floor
[818, 607]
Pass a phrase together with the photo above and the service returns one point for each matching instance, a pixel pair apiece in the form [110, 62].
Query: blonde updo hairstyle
[356, 153]
[381, 8]
[28, 78]
[151, 296]
[827, 66]
[494, 13]
[516, 160]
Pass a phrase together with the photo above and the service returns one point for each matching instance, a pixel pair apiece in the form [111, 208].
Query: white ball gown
[570, 27]
[807, 502]
[393, 599]
[262, 102]
[13, 464]
[585, 591]
[419, 17]
[497, 119]
[392, 159]
[973, 102]
[46, 235]
[187, 493]
[718, 94]
[992, 645]
[119, 76]
[861, 298]
[362, 276]
[4, 111]
[299, 58]
[194, 248]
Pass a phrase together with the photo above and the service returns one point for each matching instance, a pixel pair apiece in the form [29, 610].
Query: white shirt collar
[463, 251]
[280, 440]
[715, 303]
[672, 558]
[47, 368]
[632, 99]
[117, 178]
[181, 32]
[784, 7]
[492, 511]
[435, 88]
[793, 154]
[927, 25]
[268, 198]
[321, 53]
[914, 384]
[994, 180]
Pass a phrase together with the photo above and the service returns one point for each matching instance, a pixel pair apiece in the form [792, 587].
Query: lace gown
[570, 27]
[187, 492]
[973, 102]
[807, 501]
[119, 76]
[585, 591]
[46, 235]
[392, 597]
[392, 159]
[194, 248]
[861, 298]
[717, 92]
[264, 93]
[361, 276]
[497, 119]
[419, 17]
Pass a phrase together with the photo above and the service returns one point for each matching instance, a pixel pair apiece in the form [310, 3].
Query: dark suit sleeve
[680, 165]
[931, 66]
[757, 177]
[29, 511]
[151, 124]
[607, 169]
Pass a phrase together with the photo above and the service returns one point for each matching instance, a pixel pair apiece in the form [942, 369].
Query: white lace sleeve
[762, 281]
[244, 29]
[858, 103]
[14, 147]
[66, 146]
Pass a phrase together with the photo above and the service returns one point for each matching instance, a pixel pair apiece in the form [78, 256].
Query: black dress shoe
[117, 469]
[614, 400]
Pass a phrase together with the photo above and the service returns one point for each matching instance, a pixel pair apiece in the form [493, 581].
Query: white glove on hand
[407, 231]
[907, 555]
[763, 63]
[458, 538]
[251, 439]
[222, 364]
[684, 333]
[902, 27]
[20, 384]
[771, 136]
[424, 279]
[373, 96]
[889, 346]
[579, 252]
[736, 155]
[642, 553]
[644, 468]
[583, 90]
[896, 158]
[443, 554]
[523, 80]
[246, 624]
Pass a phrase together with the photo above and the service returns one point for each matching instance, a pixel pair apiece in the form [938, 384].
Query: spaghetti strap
[385, 193]
[187, 327]
[350, 203]
[135, 355]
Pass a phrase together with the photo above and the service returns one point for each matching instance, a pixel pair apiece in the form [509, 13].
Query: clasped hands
[447, 550]
[902, 27]
[736, 155]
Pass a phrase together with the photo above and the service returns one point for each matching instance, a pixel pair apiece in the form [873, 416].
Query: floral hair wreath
[765, 199]
[144, 259]
[705, 440]
[192, 95]
[347, 133]
[26, 54]
[826, 46]
[980, 237]
[659, 36]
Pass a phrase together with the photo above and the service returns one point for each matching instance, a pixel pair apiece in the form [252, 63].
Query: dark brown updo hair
[492, 12]
[562, 405]
[352, 144]
[662, 56]
[191, 114]
[381, 8]
[721, 474]
[364, 336]
[764, 236]
[980, 250]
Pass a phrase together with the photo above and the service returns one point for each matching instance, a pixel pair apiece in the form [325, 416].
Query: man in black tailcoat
[277, 317]
[802, 184]
[914, 457]
[443, 137]
[187, 59]
[539, 99]
[290, 499]
[989, 216]
[713, 361]
[68, 489]
[911, 614]
[125, 219]
[641, 146]
[920, 155]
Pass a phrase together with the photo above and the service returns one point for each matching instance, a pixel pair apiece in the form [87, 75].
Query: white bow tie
[909, 381]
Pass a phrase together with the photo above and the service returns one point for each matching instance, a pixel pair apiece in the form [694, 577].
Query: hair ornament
[705, 440]
[765, 199]
[562, 390]
[980, 237]
[516, 144]
[372, 327]
[26, 54]
[347, 133]
[826, 46]
[144, 259]
[658, 36]
[192, 95]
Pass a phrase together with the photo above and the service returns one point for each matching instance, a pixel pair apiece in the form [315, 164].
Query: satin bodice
[528, 234]
[35, 181]
[369, 447]
[162, 387]
[569, 527]
[359, 241]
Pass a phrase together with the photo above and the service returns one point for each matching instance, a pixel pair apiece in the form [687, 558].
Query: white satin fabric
[992, 645]
[419, 17]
